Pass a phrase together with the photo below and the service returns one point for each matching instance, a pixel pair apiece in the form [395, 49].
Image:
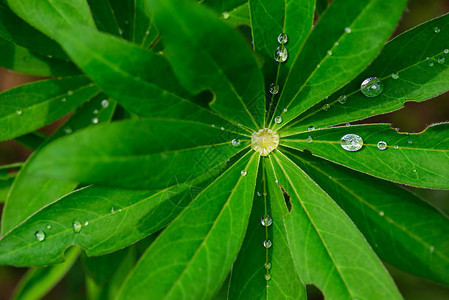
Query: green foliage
[159, 144]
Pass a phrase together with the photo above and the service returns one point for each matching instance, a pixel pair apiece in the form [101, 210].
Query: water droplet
[284, 110]
[329, 52]
[48, 226]
[95, 120]
[282, 39]
[267, 244]
[235, 142]
[311, 128]
[348, 124]
[120, 31]
[259, 194]
[351, 142]
[432, 248]
[86, 223]
[336, 43]
[63, 99]
[213, 125]
[274, 88]
[326, 107]
[244, 172]
[266, 220]
[342, 99]
[410, 142]
[105, 103]
[348, 30]
[76, 226]
[396, 147]
[441, 60]
[278, 119]
[267, 277]
[381, 213]
[119, 210]
[222, 128]
[371, 87]
[95, 112]
[226, 15]
[19, 112]
[112, 210]
[446, 51]
[436, 30]
[267, 265]
[414, 170]
[382, 145]
[309, 139]
[39, 235]
[431, 64]
[70, 93]
[68, 130]
[281, 54]
[395, 75]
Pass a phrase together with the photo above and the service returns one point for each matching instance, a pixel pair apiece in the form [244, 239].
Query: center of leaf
[264, 141]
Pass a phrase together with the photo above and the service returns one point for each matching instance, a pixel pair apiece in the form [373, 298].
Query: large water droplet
[351, 142]
[266, 220]
[281, 54]
[274, 88]
[371, 87]
[235, 142]
[382, 145]
[395, 75]
[342, 99]
[39, 235]
[436, 29]
[244, 172]
[267, 265]
[76, 226]
[282, 39]
[267, 244]
[278, 119]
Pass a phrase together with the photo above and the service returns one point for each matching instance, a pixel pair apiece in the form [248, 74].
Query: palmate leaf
[403, 230]
[421, 74]
[327, 248]
[412, 159]
[341, 45]
[205, 239]
[28, 194]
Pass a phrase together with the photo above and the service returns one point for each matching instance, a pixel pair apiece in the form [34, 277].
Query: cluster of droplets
[266, 222]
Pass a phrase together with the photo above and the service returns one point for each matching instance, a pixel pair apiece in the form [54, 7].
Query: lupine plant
[217, 136]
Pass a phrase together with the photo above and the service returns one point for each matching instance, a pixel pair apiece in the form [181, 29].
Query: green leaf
[321, 6]
[417, 80]
[37, 282]
[29, 107]
[6, 180]
[404, 230]
[412, 159]
[255, 262]
[237, 16]
[190, 37]
[269, 18]
[144, 31]
[22, 60]
[28, 194]
[104, 16]
[341, 45]
[219, 217]
[223, 5]
[327, 248]
[124, 13]
[31, 140]
[49, 16]
[148, 153]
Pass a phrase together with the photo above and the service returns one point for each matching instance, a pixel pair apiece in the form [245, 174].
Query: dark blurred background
[414, 117]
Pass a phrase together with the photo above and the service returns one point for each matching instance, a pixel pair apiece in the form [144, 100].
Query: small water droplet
[95, 112]
[105, 103]
[95, 120]
[39, 235]
[284, 110]
[267, 244]
[436, 29]
[381, 213]
[441, 60]
[371, 87]
[235, 142]
[274, 88]
[326, 107]
[282, 38]
[382, 145]
[266, 220]
[244, 172]
[278, 119]
[446, 51]
[281, 54]
[329, 52]
[432, 248]
[48, 226]
[309, 139]
[112, 210]
[64, 100]
[395, 75]
[396, 147]
[267, 277]
[70, 93]
[119, 210]
[267, 265]
[213, 125]
[351, 142]
[336, 43]
[76, 226]
[147, 32]
[342, 99]
[259, 194]
[410, 142]
[222, 128]
[431, 64]
[311, 128]
[120, 31]
[19, 112]
[68, 130]
[348, 124]
[414, 170]
[226, 15]
[348, 30]
[86, 223]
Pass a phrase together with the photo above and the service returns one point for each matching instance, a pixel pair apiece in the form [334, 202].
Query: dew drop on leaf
[259, 194]
[76, 226]
[410, 142]
[226, 15]
[105, 103]
[329, 52]
[381, 213]
[446, 51]
[351, 142]
[266, 220]
[68, 130]
[95, 120]
[274, 88]
[395, 75]
[63, 99]
[95, 112]
[244, 172]
[432, 248]
[19, 112]
[284, 110]
[86, 223]
[348, 30]
[48, 226]
[342, 99]
[39, 235]
[309, 140]
[436, 29]
[431, 64]
[267, 277]
[281, 54]
[267, 265]
[311, 128]
[70, 93]
[326, 107]
[382, 145]
[282, 38]
[396, 147]
[441, 60]
[278, 119]
[267, 244]
[235, 142]
[371, 87]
